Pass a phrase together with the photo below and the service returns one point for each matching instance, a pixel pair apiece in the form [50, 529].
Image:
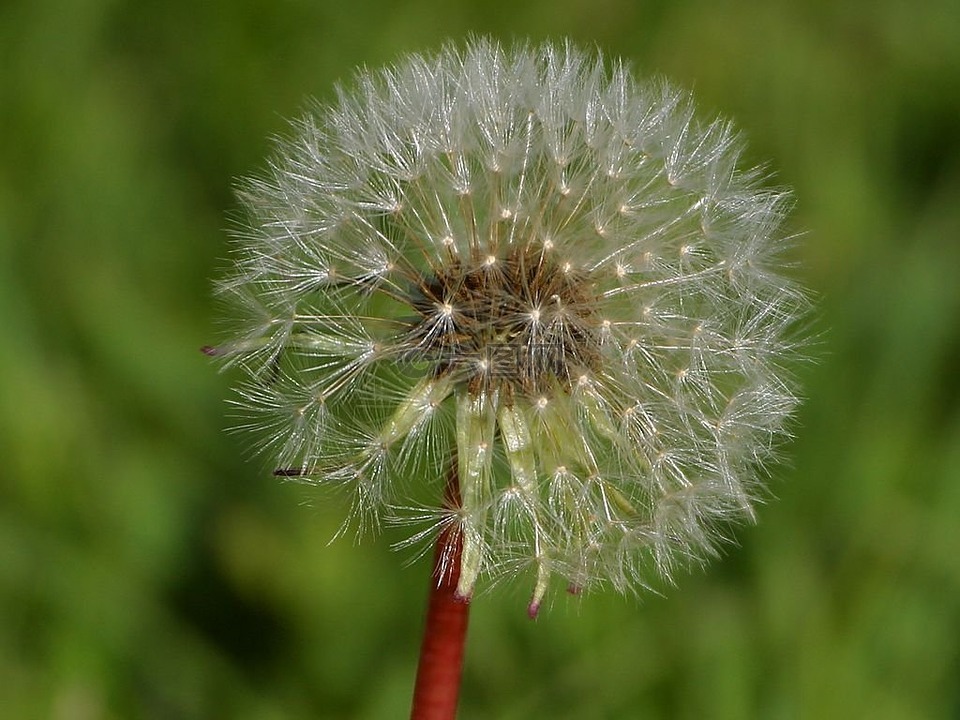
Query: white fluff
[533, 265]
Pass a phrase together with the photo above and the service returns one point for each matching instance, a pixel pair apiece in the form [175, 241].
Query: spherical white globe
[531, 269]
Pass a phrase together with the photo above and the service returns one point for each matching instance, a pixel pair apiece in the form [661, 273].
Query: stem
[437, 688]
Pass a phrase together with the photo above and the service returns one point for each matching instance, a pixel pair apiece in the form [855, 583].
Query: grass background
[148, 571]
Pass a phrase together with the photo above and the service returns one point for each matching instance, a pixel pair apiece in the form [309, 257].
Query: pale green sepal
[590, 402]
[476, 424]
[518, 439]
[423, 399]
[340, 346]
[540, 589]
[515, 432]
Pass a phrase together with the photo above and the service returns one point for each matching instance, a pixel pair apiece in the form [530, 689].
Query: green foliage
[148, 569]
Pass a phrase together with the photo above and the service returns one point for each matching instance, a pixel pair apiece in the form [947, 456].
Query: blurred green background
[149, 570]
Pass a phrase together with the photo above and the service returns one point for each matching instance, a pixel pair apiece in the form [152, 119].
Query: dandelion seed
[573, 294]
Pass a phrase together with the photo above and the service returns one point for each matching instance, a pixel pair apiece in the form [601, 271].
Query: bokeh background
[148, 569]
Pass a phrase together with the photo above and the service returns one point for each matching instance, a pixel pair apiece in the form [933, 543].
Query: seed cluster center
[522, 321]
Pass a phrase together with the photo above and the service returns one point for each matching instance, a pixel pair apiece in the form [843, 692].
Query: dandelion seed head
[531, 264]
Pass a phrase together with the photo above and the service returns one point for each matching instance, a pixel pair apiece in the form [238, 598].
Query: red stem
[437, 688]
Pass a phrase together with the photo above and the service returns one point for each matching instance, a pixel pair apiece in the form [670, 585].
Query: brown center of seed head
[521, 321]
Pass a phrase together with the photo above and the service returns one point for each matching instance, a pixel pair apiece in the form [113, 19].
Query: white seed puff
[529, 268]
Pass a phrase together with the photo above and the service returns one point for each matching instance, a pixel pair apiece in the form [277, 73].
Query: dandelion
[526, 299]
